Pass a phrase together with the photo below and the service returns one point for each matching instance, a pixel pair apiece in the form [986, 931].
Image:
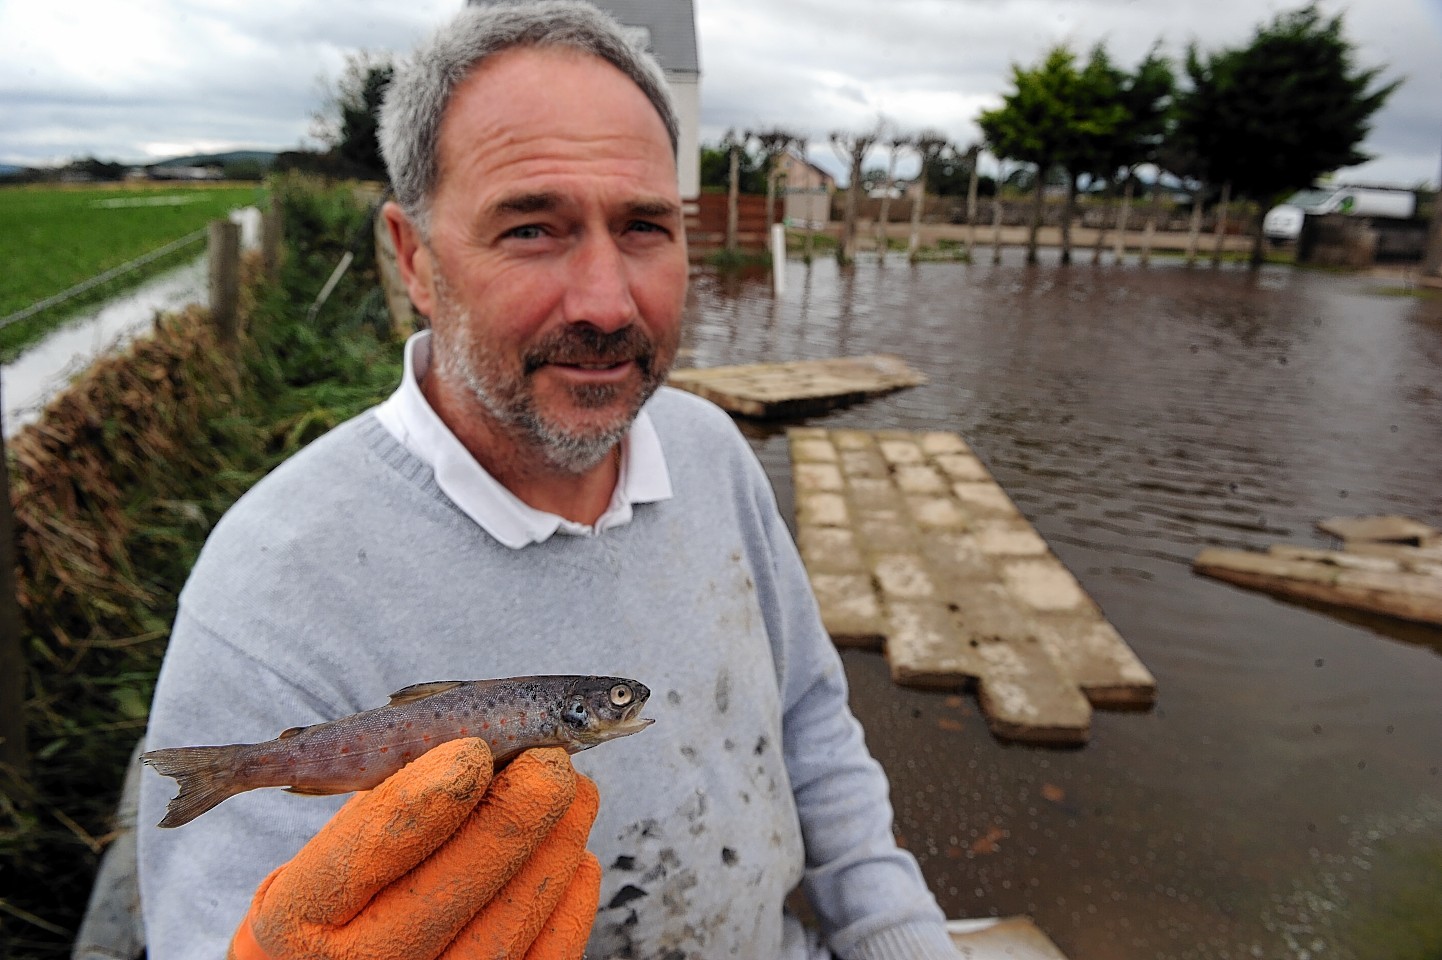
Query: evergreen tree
[350, 118]
[1271, 117]
[1034, 124]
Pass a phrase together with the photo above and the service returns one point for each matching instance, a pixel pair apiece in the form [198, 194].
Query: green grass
[54, 237]
[737, 259]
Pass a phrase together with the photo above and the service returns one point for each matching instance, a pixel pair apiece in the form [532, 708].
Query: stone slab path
[799, 388]
[913, 548]
[1403, 582]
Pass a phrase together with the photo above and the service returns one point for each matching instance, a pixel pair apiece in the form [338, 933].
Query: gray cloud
[117, 80]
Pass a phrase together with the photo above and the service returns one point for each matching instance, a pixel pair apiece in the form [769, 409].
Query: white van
[1285, 222]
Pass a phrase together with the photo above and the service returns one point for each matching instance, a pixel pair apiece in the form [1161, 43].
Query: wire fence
[100, 278]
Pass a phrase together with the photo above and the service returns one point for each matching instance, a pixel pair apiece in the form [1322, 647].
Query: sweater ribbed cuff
[907, 941]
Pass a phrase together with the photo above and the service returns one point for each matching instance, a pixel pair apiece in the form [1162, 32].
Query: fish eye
[621, 695]
[575, 712]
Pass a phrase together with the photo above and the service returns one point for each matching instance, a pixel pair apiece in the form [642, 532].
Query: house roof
[795, 157]
[670, 26]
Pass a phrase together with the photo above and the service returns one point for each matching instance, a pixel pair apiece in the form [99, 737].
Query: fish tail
[205, 775]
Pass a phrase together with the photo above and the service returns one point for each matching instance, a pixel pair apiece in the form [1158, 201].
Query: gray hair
[415, 101]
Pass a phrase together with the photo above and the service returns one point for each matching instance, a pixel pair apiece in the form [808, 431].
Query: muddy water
[1277, 799]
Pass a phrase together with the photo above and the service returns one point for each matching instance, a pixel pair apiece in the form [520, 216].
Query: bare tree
[973, 159]
[851, 149]
[773, 143]
[895, 143]
[734, 147]
[931, 145]
[996, 211]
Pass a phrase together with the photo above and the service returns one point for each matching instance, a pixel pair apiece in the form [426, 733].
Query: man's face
[557, 256]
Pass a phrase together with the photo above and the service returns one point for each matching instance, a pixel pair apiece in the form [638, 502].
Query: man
[528, 502]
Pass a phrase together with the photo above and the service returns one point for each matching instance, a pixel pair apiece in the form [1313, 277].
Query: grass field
[53, 237]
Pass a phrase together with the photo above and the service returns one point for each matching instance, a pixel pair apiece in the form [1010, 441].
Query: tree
[1034, 123]
[735, 148]
[1145, 96]
[930, 146]
[851, 149]
[716, 169]
[895, 143]
[1096, 117]
[1273, 116]
[350, 117]
[773, 143]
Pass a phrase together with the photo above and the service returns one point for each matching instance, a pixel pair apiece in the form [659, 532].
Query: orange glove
[433, 864]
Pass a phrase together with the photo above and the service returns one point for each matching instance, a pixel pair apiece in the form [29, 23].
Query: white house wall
[687, 94]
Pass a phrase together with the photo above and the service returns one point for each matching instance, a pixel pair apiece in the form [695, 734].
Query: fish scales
[359, 751]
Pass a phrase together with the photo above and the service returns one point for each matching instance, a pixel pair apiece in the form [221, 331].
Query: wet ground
[1284, 797]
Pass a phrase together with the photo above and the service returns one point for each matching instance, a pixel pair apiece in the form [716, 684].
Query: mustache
[587, 344]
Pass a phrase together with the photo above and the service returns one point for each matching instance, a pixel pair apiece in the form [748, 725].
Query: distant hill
[266, 158]
[9, 169]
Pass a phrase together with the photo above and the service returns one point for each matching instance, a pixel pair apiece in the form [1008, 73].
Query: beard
[570, 440]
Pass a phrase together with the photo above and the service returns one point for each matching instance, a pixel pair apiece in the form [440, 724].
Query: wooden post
[1194, 227]
[404, 319]
[996, 225]
[1121, 247]
[733, 198]
[1149, 234]
[971, 189]
[271, 236]
[1222, 224]
[225, 278]
[918, 201]
[14, 758]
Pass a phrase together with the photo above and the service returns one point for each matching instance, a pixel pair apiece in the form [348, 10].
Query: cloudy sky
[148, 79]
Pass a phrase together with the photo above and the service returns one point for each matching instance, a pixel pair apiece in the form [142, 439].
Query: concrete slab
[920, 552]
[1381, 529]
[799, 388]
[1402, 588]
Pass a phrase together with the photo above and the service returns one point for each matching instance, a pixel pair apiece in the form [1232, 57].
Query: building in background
[667, 28]
[807, 189]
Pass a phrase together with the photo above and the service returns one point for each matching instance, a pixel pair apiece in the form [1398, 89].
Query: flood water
[32, 379]
[47, 366]
[1286, 790]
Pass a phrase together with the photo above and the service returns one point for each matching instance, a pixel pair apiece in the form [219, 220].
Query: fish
[359, 751]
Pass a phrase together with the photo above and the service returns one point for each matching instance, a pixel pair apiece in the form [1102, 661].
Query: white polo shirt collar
[409, 418]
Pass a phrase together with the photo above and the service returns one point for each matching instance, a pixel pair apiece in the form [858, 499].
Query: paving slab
[1381, 529]
[912, 547]
[798, 388]
[1397, 586]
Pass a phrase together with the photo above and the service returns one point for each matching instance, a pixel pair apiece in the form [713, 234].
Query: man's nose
[599, 288]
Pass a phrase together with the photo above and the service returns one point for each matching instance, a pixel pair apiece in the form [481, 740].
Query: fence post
[225, 278]
[271, 235]
[14, 759]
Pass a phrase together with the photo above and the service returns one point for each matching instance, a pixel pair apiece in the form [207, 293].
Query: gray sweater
[347, 574]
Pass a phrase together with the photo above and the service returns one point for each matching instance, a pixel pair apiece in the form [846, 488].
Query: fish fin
[317, 791]
[419, 691]
[205, 775]
[289, 732]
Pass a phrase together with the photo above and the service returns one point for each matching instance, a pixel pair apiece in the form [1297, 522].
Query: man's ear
[413, 257]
